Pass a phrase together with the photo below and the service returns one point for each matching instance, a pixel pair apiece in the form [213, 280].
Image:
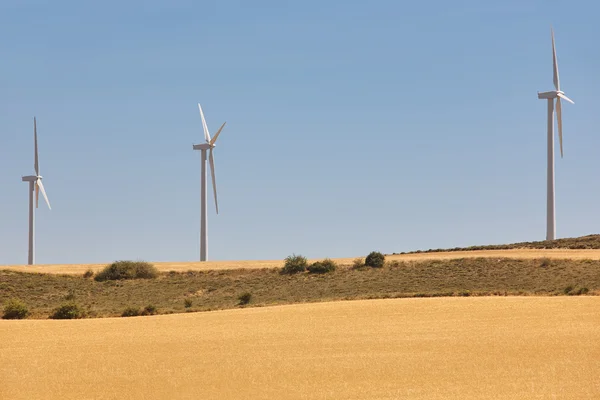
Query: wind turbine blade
[35, 163]
[555, 63]
[212, 172]
[214, 139]
[559, 118]
[562, 96]
[41, 186]
[206, 134]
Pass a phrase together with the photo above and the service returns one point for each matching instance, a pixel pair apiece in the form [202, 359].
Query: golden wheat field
[436, 348]
[77, 269]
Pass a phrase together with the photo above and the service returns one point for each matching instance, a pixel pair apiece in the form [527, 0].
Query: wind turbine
[550, 96]
[209, 145]
[35, 184]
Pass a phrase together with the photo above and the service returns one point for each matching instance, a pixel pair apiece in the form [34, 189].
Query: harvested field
[78, 269]
[442, 348]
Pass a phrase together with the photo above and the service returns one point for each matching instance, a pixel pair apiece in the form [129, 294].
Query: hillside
[578, 243]
[220, 289]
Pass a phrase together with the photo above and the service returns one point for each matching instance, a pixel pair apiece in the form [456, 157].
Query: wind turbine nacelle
[548, 95]
[203, 146]
[30, 178]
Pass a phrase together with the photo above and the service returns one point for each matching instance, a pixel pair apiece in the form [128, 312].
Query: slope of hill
[578, 243]
[220, 289]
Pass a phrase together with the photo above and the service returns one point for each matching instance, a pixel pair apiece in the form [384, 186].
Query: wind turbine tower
[204, 147]
[551, 96]
[35, 184]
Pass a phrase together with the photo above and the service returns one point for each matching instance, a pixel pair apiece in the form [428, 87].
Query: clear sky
[351, 125]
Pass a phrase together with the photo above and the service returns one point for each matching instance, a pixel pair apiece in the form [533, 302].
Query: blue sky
[351, 126]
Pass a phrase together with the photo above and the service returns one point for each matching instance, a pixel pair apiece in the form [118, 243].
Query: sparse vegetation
[149, 310]
[322, 267]
[15, 309]
[187, 303]
[375, 260]
[358, 263]
[219, 289]
[88, 274]
[578, 243]
[68, 311]
[127, 270]
[244, 298]
[294, 264]
[568, 289]
[545, 262]
[131, 312]
[70, 295]
[572, 291]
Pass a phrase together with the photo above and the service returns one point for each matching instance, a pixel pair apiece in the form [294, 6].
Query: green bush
[322, 267]
[375, 260]
[67, 311]
[244, 298]
[149, 310]
[15, 309]
[127, 270]
[131, 312]
[568, 289]
[294, 264]
[583, 290]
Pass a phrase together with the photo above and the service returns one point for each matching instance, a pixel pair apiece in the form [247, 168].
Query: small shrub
[568, 289]
[322, 267]
[545, 262]
[244, 298]
[294, 264]
[358, 263]
[583, 290]
[70, 295]
[67, 311]
[127, 270]
[465, 293]
[394, 264]
[15, 309]
[149, 310]
[375, 259]
[131, 312]
[187, 303]
[88, 274]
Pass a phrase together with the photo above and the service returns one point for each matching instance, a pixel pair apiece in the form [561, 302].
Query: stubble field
[433, 348]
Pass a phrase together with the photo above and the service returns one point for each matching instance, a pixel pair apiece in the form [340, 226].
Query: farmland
[436, 348]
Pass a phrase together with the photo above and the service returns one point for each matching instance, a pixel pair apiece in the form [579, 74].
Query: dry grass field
[191, 291]
[78, 269]
[435, 348]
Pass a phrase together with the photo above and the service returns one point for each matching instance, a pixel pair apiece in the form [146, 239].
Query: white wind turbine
[35, 184]
[550, 96]
[209, 145]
